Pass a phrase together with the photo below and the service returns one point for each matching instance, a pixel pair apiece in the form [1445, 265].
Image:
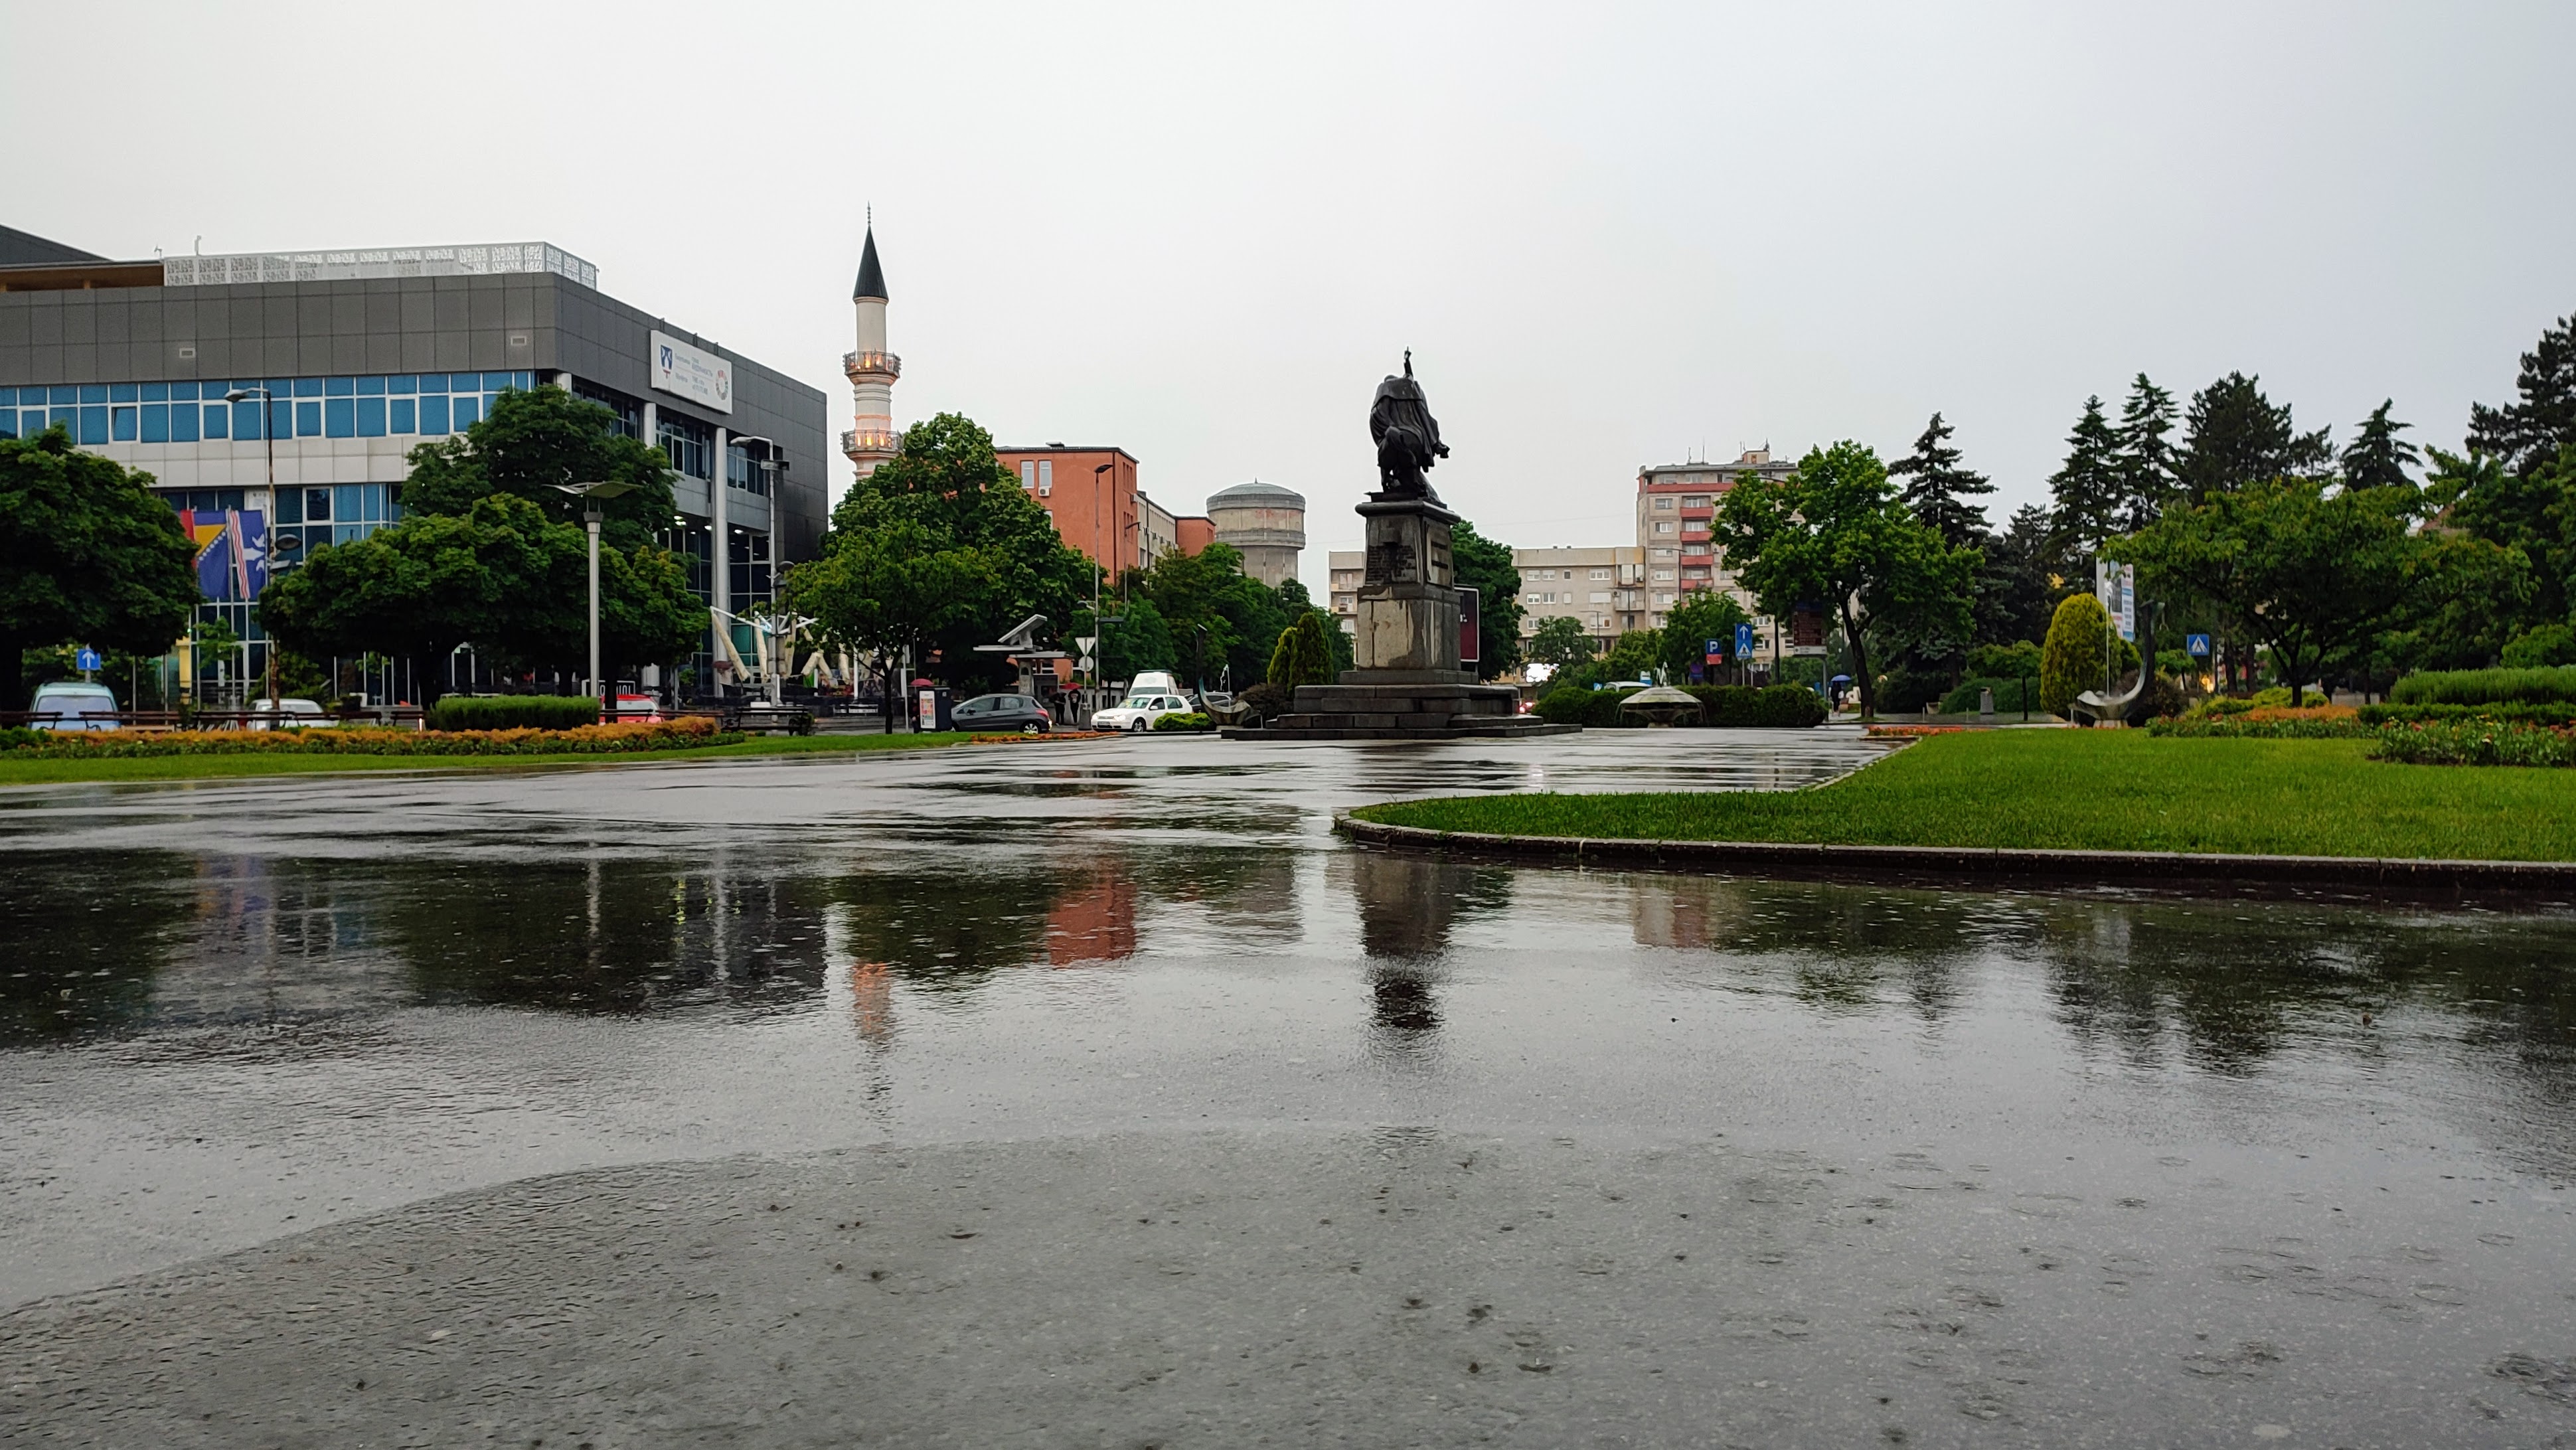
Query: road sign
[1744, 639]
[2196, 645]
[1085, 663]
[87, 659]
[1717, 651]
[1084, 642]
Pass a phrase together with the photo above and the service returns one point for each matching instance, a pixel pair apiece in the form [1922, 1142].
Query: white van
[75, 704]
[1155, 682]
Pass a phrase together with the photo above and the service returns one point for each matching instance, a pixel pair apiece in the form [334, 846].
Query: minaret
[872, 369]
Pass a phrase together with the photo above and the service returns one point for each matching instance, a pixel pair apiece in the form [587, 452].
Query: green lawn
[2087, 790]
[226, 767]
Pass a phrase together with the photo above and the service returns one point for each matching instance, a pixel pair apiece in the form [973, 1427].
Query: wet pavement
[1094, 1094]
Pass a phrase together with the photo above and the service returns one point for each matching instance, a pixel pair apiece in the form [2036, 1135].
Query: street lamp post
[590, 495]
[268, 434]
[1100, 484]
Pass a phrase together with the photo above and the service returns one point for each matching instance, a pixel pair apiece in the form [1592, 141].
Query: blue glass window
[182, 392]
[339, 387]
[466, 412]
[301, 387]
[183, 423]
[121, 393]
[433, 382]
[308, 421]
[281, 418]
[338, 420]
[370, 387]
[93, 392]
[61, 395]
[527, 381]
[402, 418]
[156, 422]
[433, 415]
[488, 400]
[122, 424]
[403, 384]
[8, 423]
[31, 422]
[65, 418]
[290, 505]
[317, 505]
[347, 534]
[9, 399]
[371, 417]
[495, 382]
[156, 392]
[219, 417]
[349, 503]
[93, 424]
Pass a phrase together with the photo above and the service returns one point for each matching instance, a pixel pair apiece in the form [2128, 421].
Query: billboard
[1471, 625]
[2116, 585]
[232, 552]
[701, 377]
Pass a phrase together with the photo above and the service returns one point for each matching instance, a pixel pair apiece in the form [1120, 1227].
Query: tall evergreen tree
[1938, 489]
[2021, 580]
[2529, 434]
[2377, 457]
[2146, 459]
[2238, 437]
[2085, 494]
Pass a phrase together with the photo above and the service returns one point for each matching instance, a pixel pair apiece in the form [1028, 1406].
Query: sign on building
[701, 377]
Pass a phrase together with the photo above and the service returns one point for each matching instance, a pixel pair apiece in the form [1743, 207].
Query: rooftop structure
[1265, 523]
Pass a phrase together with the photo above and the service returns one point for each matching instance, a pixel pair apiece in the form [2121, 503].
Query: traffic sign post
[86, 661]
[2196, 645]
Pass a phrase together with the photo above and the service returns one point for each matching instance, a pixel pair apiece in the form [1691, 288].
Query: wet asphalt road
[1095, 1095]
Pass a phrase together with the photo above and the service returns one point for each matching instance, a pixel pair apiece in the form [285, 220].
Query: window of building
[1664, 502]
[1663, 526]
[1600, 573]
[1662, 574]
[1666, 553]
[1600, 596]
[1028, 473]
[1046, 477]
[743, 471]
[628, 412]
[687, 442]
[1695, 501]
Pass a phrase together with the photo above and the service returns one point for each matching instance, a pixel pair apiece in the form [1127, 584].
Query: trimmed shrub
[2486, 687]
[1177, 724]
[2475, 742]
[2275, 698]
[2324, 722]
[1902, 692]
[2551, 712]
[2070, 662]
[617, 739]
[1570, 705]
[513, 712]
[2550, 644]
[2008, 693]
[1301, 656]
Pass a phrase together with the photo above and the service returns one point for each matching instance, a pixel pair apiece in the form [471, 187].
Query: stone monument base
[1369, 706]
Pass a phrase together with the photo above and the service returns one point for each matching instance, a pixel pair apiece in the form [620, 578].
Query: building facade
[1676, 505]
[199, 370]
[1090, 494]
[1263, 522]
[1601, 589]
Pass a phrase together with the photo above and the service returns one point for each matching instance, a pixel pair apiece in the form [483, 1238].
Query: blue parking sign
[2196, 645]
[87, 659]
[1743, 640]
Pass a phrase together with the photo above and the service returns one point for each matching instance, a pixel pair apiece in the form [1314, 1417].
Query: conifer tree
[2377, 457]
[2146, 459]
[1937, 488]
[2529, 433]
[2085, 493]
[2238, 437]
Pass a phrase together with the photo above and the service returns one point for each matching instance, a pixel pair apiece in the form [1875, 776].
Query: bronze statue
[1407, 437]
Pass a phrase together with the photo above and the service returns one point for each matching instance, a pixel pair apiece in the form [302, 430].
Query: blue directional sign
[2196, 645]
[87, 659]
[1716, 650]
[1743, 639]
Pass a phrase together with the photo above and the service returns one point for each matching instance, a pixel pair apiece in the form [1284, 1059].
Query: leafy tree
[2144, 460]
[2074, 659]
[2312, 576]
[1486, 567]
[936, 551]
[1301, 656]
[1633, 655]
[1559, 643]
[89, 557]
[1938, 489]
[2531, 512]
[1703, 615]
[1834, 532]
[1221, 619]
[1133, 640]
[2086, 492]
[2022, 579]
[2239, 437]
[2531, 433]
[1294, 601]
[2377, 457]
[533, 440]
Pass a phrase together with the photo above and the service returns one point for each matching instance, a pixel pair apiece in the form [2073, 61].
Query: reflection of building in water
[872, 1002]
[1684, 911]
[1407, 906]
[1095, 921]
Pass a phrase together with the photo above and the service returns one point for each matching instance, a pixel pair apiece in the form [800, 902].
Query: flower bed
[2475, 742]
[619, 739]
[2269, 722]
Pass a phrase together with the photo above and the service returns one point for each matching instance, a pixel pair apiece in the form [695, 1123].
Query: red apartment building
[1676, 503]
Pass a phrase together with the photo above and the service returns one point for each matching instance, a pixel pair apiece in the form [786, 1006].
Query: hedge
[2475, 742]
[2330, 724]
[616, 739]
[1721, 706]
[513, 712]
[1176, 724]
[2526, 712]
[2008, 693]
[2485, 687]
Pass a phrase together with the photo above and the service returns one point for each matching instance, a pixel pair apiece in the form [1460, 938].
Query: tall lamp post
[268, 435]
[1100, 484]
[590, 495]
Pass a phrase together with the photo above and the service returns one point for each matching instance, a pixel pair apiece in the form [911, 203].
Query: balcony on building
[869, 441]
[859, 365]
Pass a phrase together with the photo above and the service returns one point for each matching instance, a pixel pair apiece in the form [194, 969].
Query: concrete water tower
[1263, 522]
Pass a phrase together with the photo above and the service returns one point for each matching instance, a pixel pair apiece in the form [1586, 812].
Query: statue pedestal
[1409, 684]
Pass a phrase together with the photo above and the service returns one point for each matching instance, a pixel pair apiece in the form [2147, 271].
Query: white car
[1140, 711]
[286, 715]
[75, 705]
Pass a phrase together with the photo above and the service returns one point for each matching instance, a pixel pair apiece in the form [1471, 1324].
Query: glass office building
[346, 361]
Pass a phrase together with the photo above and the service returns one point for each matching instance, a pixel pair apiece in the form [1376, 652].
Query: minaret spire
[872, 369]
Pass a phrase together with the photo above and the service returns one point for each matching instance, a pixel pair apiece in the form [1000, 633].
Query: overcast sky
[1612, 235]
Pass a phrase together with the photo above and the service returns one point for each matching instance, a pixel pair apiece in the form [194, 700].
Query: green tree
[534, 439]
[1938, 489]
[1301, 656]
[2240, 437]
[2377, 457]
[89, 556]
[2021, 581]
[1221, 619]
[2529, 434]
[1132, 640]
[2075, 657]
[2144, 460]
[1633, 655]
[1702, 616]
[1560, 644]
[1486, 567]
[2312, 576]
[1835, 532]
[2531, 512]
[2085, 494]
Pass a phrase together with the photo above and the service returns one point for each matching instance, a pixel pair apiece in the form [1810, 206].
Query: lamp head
[236, 395]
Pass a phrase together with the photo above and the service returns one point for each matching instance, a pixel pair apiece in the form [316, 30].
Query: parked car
[1155, 682]
[77, 704]
[633, 707]
[286, 714]
[1139, 712]
[1002, 712]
